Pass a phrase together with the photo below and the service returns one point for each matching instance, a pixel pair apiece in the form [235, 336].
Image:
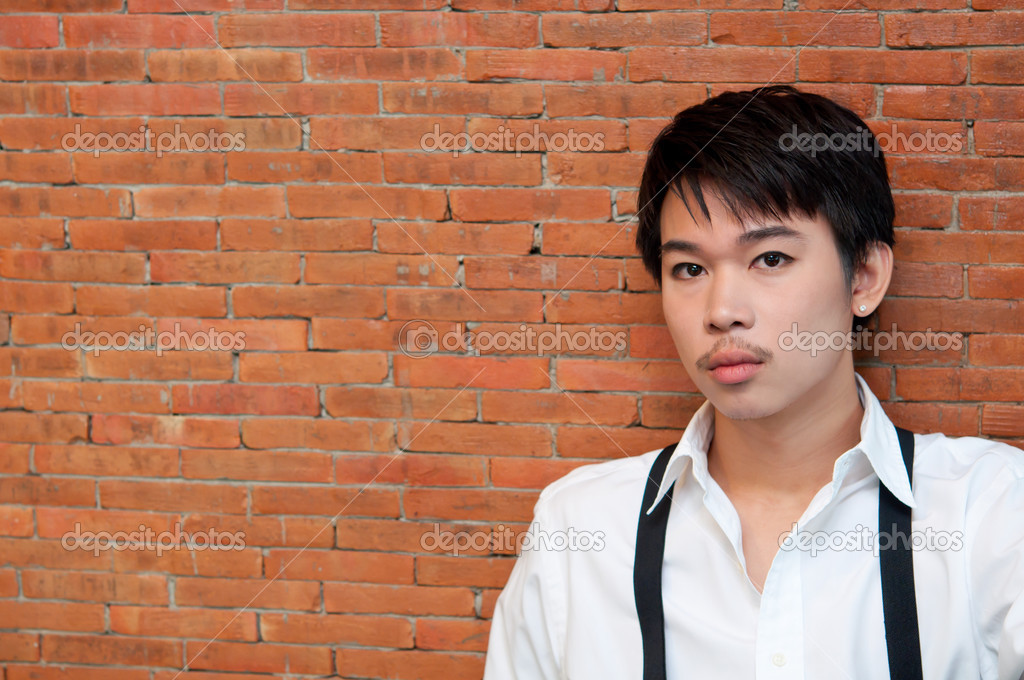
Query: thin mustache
[761, 354]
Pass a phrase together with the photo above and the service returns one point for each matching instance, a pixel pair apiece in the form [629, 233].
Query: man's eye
[774, 259]
[686, 268]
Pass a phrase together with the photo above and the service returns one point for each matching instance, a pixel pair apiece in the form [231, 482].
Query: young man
[787, 535]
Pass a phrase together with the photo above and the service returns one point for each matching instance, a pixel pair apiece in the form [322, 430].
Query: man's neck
[787, 457]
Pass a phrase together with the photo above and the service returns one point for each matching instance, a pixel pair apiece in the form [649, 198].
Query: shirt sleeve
[995, 544]
[528, 615]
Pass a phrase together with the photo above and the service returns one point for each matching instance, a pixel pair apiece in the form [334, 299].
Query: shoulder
[972, 473]
[943, 456]
[593, 490]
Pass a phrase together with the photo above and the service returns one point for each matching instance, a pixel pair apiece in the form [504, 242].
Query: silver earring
[862, 308]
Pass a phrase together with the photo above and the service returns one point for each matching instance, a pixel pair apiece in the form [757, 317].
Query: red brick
[43, 428]
[172, 365]
[146, 168]
[449, 99]
[299, 31]
[156, 99]
[70, 201]
[407, 600]
[383, 63]
[172, 497]
[472, 372]
[313, 367]
[300, 99]
[209, 201]
[341, 565]
[139, 31]
[532, 474]
[464, 305]
[400, 402]
[183, 622]
[224, 65]
[548, 273]
[29, 31]
[302, 235]
[15, 521]
[454, 634]
[32, 98]
[379, 202]
[95, 587]
[172, 430]
[403, 29]
[795, 28]
[41, 362]
[728, 64]
[31, 233]
[278, 466]
[308, 301]
[561, 64]
[951, 30]
[455, 239]
[93, 397]
[73, 266]
[375, 133]
[427, 665]
[372, 631]
[611, 443]
[475, 438]
[256, 594]
[874, 66]
[624, 30]
[19, 647]
[314, 166]
[151, 300]
[317, 433]
[75, 65]
[108, 649]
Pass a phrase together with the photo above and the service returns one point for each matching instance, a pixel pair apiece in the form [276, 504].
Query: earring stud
[862, 308]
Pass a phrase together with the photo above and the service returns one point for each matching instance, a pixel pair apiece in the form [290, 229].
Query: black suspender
[899, 603]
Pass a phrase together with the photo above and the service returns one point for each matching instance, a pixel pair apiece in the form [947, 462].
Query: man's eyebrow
[747, 237]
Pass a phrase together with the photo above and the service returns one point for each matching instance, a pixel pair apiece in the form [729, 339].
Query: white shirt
[571, 613]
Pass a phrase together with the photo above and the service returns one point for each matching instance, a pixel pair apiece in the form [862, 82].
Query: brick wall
[321, 449]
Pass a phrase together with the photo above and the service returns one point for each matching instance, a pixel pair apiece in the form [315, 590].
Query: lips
[732, 358]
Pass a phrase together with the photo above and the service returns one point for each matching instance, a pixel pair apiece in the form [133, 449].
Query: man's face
[727, 294]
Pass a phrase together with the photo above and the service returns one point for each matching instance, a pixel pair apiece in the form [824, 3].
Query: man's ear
[871, 279]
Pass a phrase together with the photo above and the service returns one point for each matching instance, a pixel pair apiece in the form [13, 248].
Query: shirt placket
[780, 622]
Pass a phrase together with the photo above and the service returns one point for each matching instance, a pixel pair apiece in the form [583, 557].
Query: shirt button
[779, 659]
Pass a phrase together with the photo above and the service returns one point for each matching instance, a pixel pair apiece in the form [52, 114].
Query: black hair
[768, 152]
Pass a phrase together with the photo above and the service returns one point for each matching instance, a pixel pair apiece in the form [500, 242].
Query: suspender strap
[899, 602]
[650, 551]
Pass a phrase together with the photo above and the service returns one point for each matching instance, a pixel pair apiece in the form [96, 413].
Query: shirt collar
[878, 443]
